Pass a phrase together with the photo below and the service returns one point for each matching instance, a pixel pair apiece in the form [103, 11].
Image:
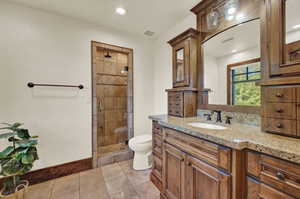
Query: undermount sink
[207, 126]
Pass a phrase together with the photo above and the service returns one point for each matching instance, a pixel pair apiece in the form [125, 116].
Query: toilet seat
[141, 139]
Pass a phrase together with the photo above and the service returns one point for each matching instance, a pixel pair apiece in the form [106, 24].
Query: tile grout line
[52, 189]
[79, 191]
[138, 195]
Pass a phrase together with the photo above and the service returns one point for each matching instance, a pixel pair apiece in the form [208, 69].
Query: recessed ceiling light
[234, 51]
[120, 11]
[296, 26]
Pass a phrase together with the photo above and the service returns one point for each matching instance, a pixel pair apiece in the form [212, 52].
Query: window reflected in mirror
[241, 83]
[180, 65]
[229, 75]
[292, 38]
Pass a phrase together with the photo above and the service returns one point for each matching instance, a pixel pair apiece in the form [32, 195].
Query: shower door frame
[130, 116]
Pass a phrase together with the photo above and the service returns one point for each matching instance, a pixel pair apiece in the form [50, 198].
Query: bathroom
[181, 100]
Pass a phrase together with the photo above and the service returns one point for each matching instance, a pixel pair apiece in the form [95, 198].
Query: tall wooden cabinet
[182, 98]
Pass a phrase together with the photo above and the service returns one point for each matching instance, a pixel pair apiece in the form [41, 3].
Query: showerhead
[107, 55]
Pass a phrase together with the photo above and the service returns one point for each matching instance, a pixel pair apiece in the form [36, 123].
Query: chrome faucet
[219, 115]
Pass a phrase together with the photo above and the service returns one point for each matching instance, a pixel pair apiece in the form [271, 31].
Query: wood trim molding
[49, 173]
[191, 32]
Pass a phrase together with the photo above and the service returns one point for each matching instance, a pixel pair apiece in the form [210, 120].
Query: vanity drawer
[175, 111]
[280, 94]
[175, 96]
[280, 174]
[280, 110]
[287, 127]
[211, 153]
[157, 145]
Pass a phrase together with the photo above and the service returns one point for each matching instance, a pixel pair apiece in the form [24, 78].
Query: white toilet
[142, 147]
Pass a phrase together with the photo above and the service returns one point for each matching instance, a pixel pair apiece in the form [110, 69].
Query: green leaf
[6, 152]
[23, 133]
[28, 159]
[16, 125]
[12, 167]
[7, 135]
[27, 143]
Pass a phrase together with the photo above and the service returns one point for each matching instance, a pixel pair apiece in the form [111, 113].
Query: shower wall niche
[112, 82]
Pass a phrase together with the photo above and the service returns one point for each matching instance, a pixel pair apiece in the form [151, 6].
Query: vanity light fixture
[230, 9]
[296, 26]
[120, 11]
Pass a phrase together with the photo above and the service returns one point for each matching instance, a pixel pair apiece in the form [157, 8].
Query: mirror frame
[255, 10]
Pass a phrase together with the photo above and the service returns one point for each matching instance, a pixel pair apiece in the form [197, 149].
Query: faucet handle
[228, 119]
[208, 117]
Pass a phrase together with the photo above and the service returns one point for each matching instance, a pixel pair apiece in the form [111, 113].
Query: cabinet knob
[279, 110]
[279, 95]
[280, 176]
[189, 164]
[279, 125]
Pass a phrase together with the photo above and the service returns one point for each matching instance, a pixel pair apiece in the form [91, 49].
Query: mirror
[232, 66]
[292, 29]
[180, 65]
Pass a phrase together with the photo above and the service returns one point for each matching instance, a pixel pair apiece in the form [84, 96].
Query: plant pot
[20, 192]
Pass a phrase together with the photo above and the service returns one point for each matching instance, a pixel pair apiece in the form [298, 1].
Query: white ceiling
[142, 15]
[244, 36]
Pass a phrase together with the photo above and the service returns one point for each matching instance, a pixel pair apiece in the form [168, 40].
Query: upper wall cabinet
[185, 59]
[284, 37]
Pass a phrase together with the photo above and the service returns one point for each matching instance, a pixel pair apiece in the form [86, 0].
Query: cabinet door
[181, 64]
[284, 47]
[205, 181]
[173, 172]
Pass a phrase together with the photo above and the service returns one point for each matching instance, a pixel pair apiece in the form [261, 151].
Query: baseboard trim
[57, 171]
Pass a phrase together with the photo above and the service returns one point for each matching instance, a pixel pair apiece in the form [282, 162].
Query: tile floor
[115, 181]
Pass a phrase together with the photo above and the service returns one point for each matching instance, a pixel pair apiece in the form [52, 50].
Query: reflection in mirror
[180, 65]
[292, 48]
[232, 66]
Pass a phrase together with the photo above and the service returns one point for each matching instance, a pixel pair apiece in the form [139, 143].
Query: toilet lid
[141, 139]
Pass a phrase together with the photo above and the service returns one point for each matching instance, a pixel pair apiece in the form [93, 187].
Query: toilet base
[142, 161]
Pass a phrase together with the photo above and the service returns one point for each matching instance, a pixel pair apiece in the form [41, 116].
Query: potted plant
[16, 159]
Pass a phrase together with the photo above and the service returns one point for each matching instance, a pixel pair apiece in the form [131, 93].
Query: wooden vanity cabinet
[157, 164]
[194, 168]
[271, 178]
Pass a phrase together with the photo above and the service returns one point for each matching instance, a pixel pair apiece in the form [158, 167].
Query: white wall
[46, 48]
[163, 62]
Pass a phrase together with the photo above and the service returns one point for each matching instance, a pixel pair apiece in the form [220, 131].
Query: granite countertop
[237, 136]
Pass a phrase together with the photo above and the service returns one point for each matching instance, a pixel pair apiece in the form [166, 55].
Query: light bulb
[120, 11]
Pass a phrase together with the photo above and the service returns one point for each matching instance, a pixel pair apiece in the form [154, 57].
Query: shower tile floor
[115, 181]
